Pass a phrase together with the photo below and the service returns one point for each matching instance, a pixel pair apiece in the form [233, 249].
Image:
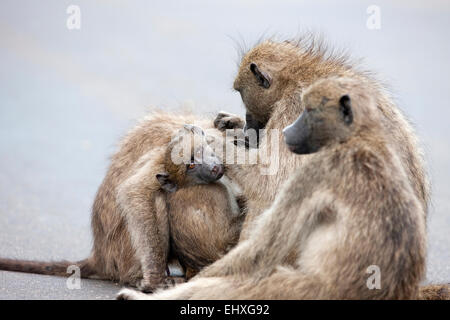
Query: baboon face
[321, 124]
[259, 83]
[253, 83]
[200, 166]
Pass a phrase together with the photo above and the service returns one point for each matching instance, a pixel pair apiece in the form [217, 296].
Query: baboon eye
[345, 107]
[263, 78]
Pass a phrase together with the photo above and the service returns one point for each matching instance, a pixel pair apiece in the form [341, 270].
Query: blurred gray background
[67, 96]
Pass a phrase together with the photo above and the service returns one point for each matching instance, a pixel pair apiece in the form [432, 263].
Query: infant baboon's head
[189, 160]
[260, 79]
[335, 110]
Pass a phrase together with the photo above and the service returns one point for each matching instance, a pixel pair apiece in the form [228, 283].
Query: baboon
[204, 219]
[205, 223]
[348, 210]
[271, 77]
[130, 222]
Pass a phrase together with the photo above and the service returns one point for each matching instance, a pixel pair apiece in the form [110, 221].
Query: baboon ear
[264, 79]
[165, 182]
[345, 107]
[194, 129]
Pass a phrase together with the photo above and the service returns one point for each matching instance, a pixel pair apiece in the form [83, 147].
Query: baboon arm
[146, 222]
[277, 232]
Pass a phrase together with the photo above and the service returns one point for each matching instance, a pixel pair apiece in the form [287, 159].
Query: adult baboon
[270, 80]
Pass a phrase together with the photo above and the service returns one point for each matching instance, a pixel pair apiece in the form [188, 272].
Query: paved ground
[66, 97]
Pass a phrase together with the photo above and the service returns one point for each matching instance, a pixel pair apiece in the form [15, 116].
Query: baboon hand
[225, 120]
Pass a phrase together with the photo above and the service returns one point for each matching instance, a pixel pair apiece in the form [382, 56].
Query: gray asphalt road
[31, 287]
[67, 96]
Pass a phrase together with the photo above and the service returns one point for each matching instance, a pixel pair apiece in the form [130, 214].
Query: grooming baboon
[271, 77]
[350, 208]
[130, 222]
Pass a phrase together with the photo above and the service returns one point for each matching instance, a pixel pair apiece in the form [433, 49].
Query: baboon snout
[297, 136]
[211, 172]
[290, 134]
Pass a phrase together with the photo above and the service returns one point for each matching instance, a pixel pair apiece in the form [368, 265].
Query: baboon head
[335, 109]
[273, 70]
[189, 160]
[261, 82]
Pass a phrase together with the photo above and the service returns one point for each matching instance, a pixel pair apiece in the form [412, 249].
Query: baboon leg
[282, 284]
[269, 243]
[147, 224]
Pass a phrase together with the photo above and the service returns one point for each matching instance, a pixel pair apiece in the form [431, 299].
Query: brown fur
[204, 219]
[205, 223]
[350, 206]
[435, 292]
[293, 65]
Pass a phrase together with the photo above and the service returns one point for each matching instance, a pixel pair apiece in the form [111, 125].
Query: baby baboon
[205, 223]
[130, 222]
[271, 77]
[205, 219]
[348, 211]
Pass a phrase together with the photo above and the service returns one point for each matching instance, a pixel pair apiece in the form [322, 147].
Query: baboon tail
[435, 292]
[59, 268]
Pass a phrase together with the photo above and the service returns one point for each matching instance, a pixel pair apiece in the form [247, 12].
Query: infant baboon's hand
[225, 120]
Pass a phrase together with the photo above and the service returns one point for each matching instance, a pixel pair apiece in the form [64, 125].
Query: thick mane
[313, 48]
